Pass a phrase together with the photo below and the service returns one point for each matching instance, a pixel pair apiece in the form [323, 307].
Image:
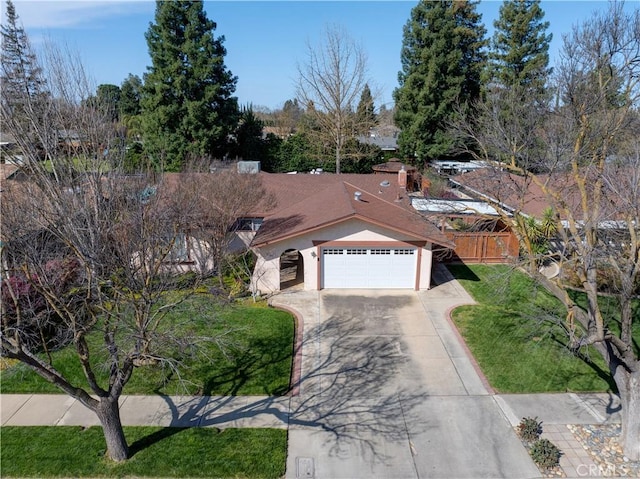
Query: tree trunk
[108, 412]
[630, 399]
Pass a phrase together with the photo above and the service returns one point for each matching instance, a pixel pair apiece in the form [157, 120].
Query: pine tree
[519, 55]
[442, 61]
[21, 81]
[130, 92]
[365, 113]
[249, 144]
[108, 100]
[188, 111]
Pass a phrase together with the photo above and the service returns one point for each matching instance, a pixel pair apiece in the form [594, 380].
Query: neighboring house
[456, 167]
[384, 137]
[509, 192]
[474, 226]
[343, 231]
[9, 153]
[514, 194]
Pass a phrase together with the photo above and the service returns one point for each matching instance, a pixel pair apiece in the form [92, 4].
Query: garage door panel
[355, 267]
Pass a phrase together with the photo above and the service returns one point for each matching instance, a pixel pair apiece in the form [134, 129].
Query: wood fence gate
[482, 247]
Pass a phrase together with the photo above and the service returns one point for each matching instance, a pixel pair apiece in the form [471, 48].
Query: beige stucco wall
[266, 276]
[200, 259]
[241, 241]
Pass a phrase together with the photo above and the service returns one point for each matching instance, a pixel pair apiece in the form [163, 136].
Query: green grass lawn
[249, 352]
[63, 451]
[517, 349]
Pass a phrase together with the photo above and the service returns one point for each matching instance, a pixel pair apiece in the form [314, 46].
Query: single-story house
[330, 231]
[343, 231]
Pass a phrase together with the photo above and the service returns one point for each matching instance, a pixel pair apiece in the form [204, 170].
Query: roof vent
[385, 183]
[357, 195]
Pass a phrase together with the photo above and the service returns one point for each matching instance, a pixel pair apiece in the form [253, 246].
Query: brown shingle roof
[393, 166]
[310, 202]
[509, 190]
[524, 195]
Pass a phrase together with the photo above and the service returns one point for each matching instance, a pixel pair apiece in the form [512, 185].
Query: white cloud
[52, 14]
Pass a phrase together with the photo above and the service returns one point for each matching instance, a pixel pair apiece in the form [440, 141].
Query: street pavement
[385, 388]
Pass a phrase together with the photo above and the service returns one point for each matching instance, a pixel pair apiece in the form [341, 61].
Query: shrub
[545, 454]
[30, 303]
[529, 429]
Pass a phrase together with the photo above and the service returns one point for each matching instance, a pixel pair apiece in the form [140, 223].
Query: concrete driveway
[387, 391]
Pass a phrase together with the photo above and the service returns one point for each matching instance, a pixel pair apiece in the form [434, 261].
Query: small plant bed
[544, 453]
[61, 451]
[515, 334]
[529, 429]
[248, 351]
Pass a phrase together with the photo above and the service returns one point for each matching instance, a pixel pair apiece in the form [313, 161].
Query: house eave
[356, 216]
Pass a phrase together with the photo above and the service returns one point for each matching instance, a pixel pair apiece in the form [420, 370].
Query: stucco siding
[266, 276]
[426, 264]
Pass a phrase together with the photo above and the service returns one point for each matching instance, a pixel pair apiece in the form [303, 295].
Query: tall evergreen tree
[365, 113]
[249, 144]
[442, 61]
[130, 92]
[188, 110]
[21, 77]
[108, 99]
[519, 55]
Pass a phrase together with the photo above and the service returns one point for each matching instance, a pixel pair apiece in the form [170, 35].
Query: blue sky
[265, 40]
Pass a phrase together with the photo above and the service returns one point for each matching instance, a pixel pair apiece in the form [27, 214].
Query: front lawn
[516, 345]
[63, 451]
[249, 352]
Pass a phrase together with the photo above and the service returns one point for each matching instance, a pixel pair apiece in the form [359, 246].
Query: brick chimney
[402, 177]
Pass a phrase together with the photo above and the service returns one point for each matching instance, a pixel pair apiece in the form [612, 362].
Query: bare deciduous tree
[222, 204]
[331, 80]
[588, 175]
[86, 251]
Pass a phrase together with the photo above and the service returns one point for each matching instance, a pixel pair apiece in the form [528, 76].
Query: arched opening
[291, 269]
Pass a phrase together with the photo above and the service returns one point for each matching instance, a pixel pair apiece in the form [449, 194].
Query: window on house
[404, 251]
[180, 252]
[248, 224]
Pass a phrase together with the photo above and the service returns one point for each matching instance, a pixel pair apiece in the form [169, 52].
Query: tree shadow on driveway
[349, 385]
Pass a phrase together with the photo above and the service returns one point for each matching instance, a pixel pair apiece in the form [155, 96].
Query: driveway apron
[386, 390]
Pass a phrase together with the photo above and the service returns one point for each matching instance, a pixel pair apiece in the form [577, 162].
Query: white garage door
[369, 267]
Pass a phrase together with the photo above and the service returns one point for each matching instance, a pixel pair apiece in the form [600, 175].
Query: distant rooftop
[456, 167]
[465, 207]
[386, 138]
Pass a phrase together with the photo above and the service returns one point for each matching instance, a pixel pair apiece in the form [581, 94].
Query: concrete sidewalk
[273, 412]
[178, 411]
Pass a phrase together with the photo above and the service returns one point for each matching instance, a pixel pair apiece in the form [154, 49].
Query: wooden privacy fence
[482, 247]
